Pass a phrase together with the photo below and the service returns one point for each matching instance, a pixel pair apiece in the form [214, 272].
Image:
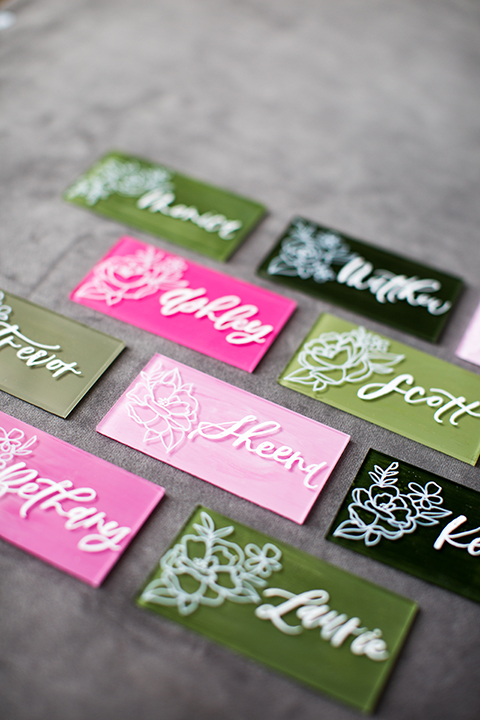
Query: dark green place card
[415, 521]
[390, 384]
[48, 359]
[366, 279]
[163, 202]
[313, 621]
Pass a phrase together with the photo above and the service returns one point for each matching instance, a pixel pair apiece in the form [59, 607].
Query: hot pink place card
[205, 310]
[67, 507]
[249, 446]
[469, 348]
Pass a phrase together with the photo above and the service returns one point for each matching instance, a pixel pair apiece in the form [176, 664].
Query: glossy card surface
[280, 606]
[390, 384]
[469, 348]
[46, 358]
[364, 278]
[166, 203]
[205, 310]
[415, 521]
[235, 440]
[65, 506]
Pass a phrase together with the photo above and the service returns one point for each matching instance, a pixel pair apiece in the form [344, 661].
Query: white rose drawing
[382, 511]
[206, 569]
[124, 177]
[338, 358]
[13, 444]
[164, 406]
[132, 277]
[309, 252]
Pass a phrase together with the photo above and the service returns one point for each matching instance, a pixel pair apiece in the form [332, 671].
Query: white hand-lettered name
[444, 401]
[312, 611]
[231, 313]
[388, 287]
[161, 201]
[446, 536]
[284, 455]
[34, 353]
[43, 493]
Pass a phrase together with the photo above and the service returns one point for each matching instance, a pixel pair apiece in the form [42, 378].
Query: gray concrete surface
[359, 114]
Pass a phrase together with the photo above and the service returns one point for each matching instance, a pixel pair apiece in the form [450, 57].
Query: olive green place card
[163, 202]
[389, 384]
[46, 358]
[415, 521]
[313, 621]
[366, 279]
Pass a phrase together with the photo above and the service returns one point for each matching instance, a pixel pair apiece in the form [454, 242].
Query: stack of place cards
[390, 384]
[166, 203]
[336, 267]
[235, 440]
[65, 506]
[317, 623]
[48, 359]
[415, 521]
[203, 309]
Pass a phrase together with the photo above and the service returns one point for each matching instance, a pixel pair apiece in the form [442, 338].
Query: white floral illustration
[115, 175]
[382, 511]
[338, 358]
[309, 252]
[164, 406]
[206, 569]
[132, 277]
[13, 444]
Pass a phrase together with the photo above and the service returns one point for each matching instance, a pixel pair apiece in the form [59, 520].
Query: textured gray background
[361, 114]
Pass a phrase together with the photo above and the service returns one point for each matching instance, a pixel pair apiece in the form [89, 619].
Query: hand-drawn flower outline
[12, 444]
[382, 511]
[124, 177]
[363, 354]
[164, 406]
[132, 277]
[206, 569]
[308, 252]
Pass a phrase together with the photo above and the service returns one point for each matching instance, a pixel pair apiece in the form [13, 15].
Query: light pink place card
[469, 348]
[170, 296]
[240, 442]
[67, 507]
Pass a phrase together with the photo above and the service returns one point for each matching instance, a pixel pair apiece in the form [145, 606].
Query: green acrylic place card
[46, 358]
[366, 279]
[163, 202]
[311, 620]
[389, 384]
[415, 521]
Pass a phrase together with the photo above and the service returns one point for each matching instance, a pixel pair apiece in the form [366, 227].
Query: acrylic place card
[65, 506]
[205, 310]
[469, 348]
[361, 277]
[389, 384]
[47, 359]
[235, 440]
[319, 624]
[166, 203]
[415, 521]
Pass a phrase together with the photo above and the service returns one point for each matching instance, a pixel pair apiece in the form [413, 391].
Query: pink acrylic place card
[67, 507]
[469, 348]
[237, 441]
[205, 310]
